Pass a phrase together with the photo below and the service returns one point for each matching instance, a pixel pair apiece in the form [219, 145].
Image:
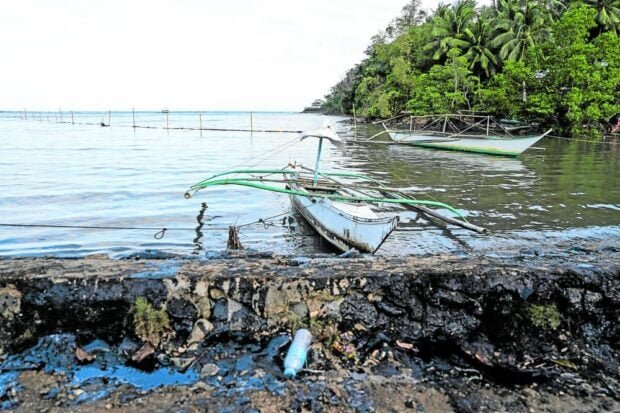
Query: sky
[182, 54]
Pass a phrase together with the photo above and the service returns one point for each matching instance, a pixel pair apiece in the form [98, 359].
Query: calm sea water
[557, 196]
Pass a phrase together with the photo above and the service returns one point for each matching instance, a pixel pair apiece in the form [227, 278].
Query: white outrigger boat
[341, 213]
[467, 133]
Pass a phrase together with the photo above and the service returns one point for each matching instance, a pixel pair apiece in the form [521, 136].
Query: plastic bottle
[297, 352]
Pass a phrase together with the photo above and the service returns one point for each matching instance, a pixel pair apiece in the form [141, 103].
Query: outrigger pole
[257, 183]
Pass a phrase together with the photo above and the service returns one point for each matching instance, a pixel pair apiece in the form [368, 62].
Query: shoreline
[440, 333]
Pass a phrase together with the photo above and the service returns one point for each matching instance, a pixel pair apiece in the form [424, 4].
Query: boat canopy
[325, 133]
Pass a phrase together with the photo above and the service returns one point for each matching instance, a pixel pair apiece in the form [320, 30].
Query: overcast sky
[182, 54]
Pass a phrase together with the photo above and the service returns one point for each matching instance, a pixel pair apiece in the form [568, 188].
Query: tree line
[552, 62]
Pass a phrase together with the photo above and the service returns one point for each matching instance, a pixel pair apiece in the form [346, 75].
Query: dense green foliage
[555, 62]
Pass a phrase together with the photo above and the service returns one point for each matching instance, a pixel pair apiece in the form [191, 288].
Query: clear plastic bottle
[297, 353]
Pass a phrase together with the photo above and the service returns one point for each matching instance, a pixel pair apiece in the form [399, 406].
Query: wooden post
[167, 120]
[488, 121]
[200, 120]
[251, 124]
[234, 243]
[133, 117]
[60, 114]
[72, 122]
[25, 114]
[109, 117]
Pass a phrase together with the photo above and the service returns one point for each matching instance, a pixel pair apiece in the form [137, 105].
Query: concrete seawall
[548, 323]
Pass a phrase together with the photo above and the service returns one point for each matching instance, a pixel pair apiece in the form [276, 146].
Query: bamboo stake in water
[133, 116]
[60, 113]
[251, 124]
[167, 124]
[200, 120]
[109, 117]
[72, 122]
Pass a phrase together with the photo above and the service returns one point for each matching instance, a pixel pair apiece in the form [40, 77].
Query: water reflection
[461, 160]
[199, 234]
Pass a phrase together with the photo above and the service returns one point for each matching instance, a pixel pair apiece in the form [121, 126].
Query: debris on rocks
[83, 356]
[142, 355]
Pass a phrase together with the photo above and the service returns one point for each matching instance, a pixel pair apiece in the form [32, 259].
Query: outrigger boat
[468, 133]
[342, 213]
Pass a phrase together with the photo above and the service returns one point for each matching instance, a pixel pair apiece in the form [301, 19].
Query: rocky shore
[423, 334]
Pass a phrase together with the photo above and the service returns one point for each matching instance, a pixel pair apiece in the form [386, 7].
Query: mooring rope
[160, 231]
[585, 140]
[263, 156]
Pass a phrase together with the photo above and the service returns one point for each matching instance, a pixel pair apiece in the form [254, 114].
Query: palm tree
[608, 14]
[554, 7]
[521, 26]
[449, 25]
[478, 51]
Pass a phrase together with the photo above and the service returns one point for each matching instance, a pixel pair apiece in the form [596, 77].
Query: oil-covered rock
[433, 333]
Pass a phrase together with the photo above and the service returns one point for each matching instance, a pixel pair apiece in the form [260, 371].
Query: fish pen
[145, 119]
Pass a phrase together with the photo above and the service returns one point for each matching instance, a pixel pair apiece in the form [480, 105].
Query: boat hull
[491, 145]
[345, 225]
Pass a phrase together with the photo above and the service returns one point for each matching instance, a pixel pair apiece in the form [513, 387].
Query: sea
[122, 185]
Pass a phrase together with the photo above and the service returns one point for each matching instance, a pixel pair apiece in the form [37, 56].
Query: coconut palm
[478, 50]
[608, 14]
[449, 25]
[554, 7]
[521, 26]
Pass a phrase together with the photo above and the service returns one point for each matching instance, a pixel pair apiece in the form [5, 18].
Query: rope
[181, 128]
[583, 140]
[161, 231]
[267, 153]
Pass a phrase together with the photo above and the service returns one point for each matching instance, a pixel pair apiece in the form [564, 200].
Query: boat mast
[316, 168]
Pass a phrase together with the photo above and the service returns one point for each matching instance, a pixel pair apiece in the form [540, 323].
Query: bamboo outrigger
[459, 132]
[340, 212]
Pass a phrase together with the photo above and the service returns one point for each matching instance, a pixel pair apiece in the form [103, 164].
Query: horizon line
[160, 110]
